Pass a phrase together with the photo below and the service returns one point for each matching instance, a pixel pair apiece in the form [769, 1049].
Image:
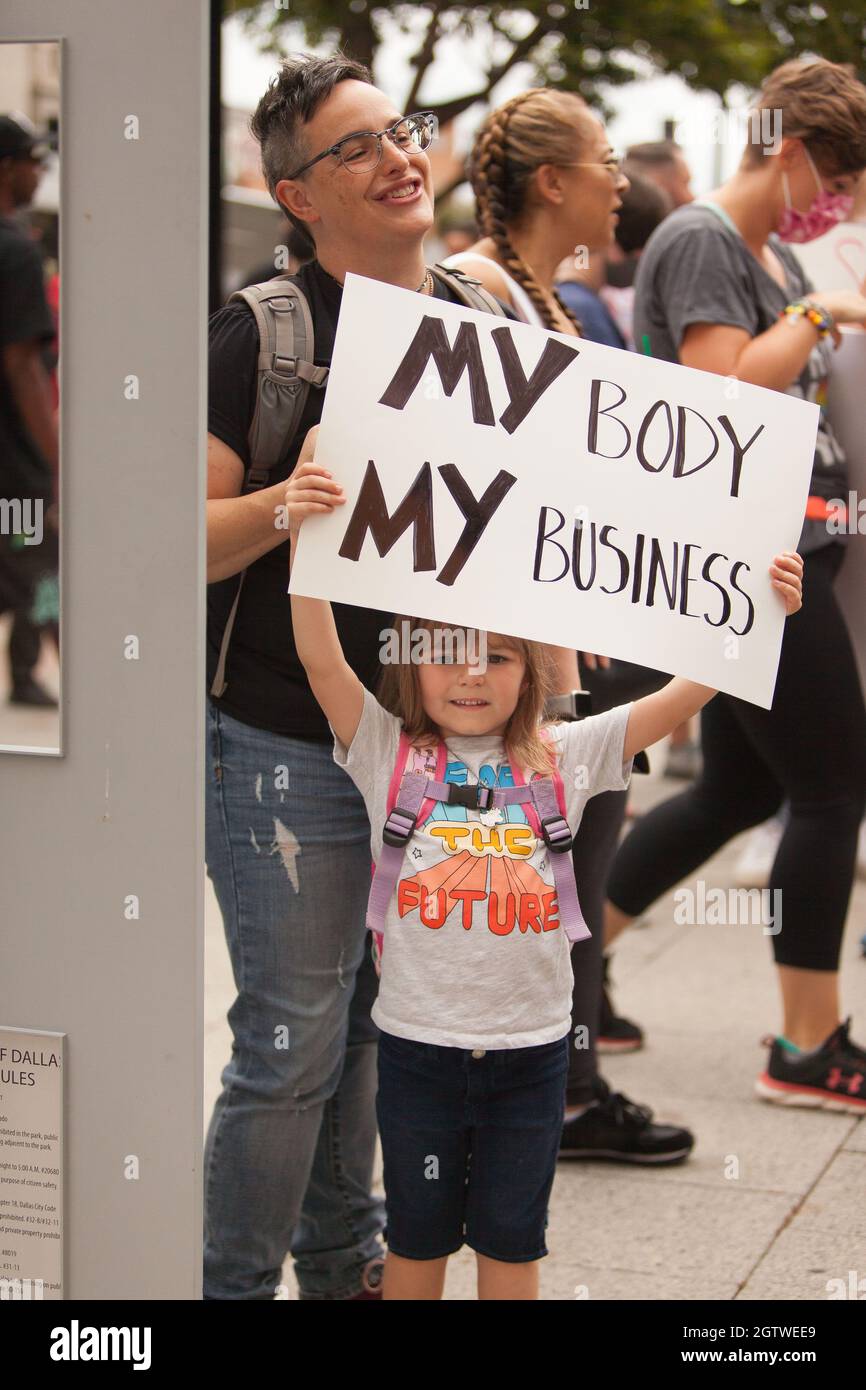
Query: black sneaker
[30, 692]
[831, 1078]
[615, 1034]
[617, 1129]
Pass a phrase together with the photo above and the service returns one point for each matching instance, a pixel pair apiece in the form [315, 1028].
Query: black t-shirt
[24, 316]
[266, 682]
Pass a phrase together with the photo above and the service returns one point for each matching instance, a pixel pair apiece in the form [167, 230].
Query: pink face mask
[826, 210]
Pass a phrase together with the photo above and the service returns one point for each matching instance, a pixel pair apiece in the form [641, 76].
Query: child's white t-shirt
[474, 954]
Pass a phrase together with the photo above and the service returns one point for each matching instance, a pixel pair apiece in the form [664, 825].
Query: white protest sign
[502, 477]
[836, 260]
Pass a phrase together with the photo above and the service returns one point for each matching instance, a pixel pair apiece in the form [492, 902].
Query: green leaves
[711, 44]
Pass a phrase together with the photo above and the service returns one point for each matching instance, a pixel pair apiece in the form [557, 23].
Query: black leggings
[810, 749]
[594, 848]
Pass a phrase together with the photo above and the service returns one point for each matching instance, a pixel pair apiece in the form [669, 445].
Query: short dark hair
[644, 206]
[653, 154]
[821, 103]
[293, 97]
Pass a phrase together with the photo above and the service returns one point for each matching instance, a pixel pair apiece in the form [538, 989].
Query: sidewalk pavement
[771, 1203]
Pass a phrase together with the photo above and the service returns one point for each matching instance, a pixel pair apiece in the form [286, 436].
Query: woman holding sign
[546, 183]
[719, 289]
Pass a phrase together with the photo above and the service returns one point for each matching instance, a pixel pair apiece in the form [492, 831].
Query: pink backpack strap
[403, 748]
[407, 808]
[546, 733]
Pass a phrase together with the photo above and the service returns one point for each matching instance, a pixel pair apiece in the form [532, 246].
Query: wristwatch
[576, 705]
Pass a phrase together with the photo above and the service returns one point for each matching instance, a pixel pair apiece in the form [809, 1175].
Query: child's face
[464, 704]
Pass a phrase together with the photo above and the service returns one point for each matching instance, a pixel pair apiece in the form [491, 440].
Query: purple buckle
[398, 828]
[557, 835]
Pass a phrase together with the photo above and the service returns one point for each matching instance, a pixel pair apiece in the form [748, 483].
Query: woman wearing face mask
[719, 289]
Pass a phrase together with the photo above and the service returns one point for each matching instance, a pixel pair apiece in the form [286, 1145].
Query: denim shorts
[469, 1144]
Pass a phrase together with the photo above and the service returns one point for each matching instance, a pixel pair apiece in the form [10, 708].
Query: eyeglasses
[613, 164]
[362, 151]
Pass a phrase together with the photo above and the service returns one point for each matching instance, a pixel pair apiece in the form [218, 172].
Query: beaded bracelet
[822, 319]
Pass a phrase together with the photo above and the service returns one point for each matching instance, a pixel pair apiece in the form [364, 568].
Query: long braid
[492, 182]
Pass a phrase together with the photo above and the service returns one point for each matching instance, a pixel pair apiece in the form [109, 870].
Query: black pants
[810, 749]
[594, 850]
[593, 854]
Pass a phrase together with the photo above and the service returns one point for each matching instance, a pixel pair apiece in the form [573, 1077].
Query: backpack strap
[546, 734]
[468, 289]
[409, 804]
[546, 811]
[559, 840]
[286, 370]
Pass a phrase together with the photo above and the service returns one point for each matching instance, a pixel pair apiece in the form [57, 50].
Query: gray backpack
[286, 371]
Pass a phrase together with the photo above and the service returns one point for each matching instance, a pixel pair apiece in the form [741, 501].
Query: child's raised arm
[312, 489]
[656, 715]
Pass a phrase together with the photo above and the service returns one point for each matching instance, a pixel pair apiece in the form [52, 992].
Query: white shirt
[473, 952]
[520, 301]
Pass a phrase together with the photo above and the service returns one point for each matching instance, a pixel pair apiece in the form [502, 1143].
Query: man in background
[663, 163]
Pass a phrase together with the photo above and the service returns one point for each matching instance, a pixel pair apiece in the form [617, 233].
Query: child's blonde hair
[400, 693]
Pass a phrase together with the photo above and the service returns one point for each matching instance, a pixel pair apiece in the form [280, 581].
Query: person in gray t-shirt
[698, 270]
[718, 289]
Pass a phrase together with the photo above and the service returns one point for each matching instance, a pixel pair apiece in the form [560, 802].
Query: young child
[475, 990]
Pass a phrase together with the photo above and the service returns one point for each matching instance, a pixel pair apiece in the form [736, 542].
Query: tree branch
[358, 37]
[449, 109]
[425, 55]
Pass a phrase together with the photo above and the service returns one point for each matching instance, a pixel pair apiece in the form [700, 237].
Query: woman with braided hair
[546, 181]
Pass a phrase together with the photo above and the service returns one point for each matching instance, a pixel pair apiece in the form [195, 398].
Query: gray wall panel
[127, 993]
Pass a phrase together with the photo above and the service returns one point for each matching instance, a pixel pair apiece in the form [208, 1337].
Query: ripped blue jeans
[289, 1152]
